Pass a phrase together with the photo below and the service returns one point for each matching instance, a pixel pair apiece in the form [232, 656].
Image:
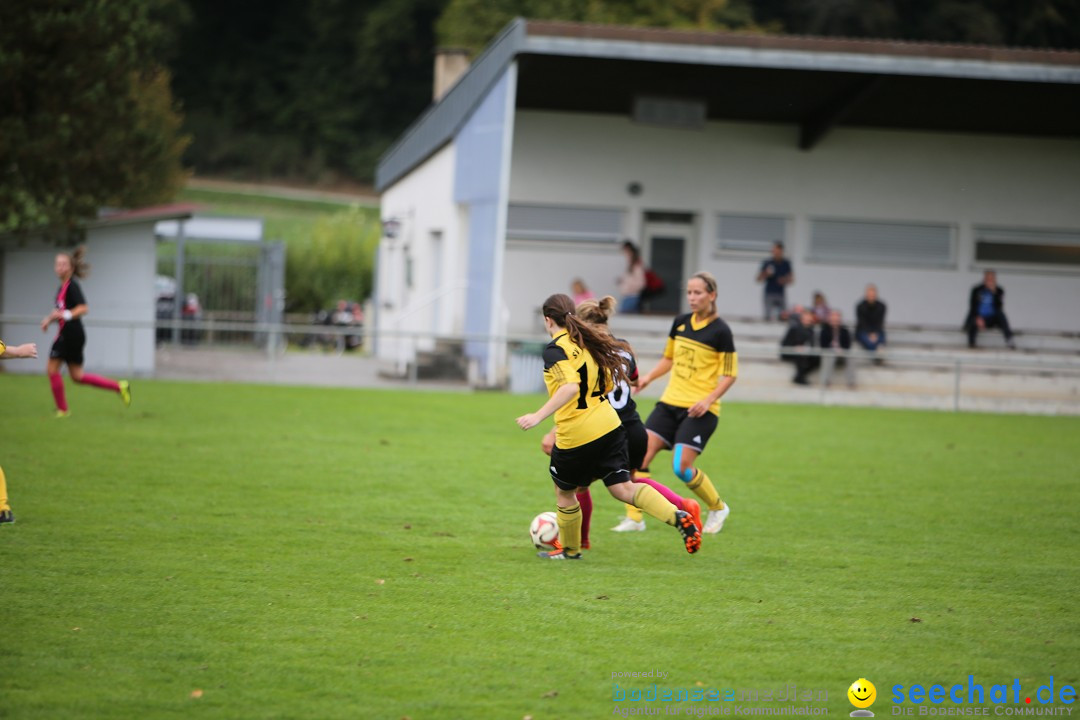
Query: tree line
[111, 102]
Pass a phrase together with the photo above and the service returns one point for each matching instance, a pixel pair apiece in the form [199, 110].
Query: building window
[876, 244]
[688, 114]
[574, 224]
[749, 233]
[1053, 248]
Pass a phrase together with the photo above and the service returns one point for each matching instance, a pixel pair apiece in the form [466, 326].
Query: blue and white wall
[443, 272]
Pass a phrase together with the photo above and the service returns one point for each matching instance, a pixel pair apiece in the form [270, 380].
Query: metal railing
[959, 374]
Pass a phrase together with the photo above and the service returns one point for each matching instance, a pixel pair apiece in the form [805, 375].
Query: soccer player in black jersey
[28, 350]
[700, 355]
[580, 366]
[70, 340]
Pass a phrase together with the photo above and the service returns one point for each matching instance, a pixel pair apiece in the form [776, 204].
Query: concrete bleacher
[922, 367]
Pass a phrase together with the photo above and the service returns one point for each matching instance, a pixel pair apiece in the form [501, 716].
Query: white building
[120, 291]
[913, 166]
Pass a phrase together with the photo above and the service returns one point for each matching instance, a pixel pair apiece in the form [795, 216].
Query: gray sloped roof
[812, 81]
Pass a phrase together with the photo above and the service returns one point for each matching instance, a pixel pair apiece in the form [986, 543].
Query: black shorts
[637, 442]
[68, 347]
[674, 426]
[605, 458]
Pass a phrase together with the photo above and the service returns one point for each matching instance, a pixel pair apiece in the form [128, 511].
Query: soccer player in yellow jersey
[580, 366]
[29, 350]
[700, 355]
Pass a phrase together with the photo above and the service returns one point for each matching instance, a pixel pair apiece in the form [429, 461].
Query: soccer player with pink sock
[71, 338]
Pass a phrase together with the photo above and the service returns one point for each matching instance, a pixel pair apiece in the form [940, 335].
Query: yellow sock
[570, 529]
[3, 491]
[703, 488]
[634, 513]
[648, 499]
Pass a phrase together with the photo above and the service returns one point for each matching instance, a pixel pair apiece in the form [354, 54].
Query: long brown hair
[604, 349]
[77, 257]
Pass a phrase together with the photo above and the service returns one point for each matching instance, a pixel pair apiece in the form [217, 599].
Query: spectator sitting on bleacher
[821, 308]
[837, 338]
[870, 320]
[800, 337]
[986, 309]
[794, 317]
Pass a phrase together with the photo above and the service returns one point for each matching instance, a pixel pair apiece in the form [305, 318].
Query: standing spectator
[800, 338]
[870, 320]
[777, 275]
[580, 292]
[631, 282]
[836, 339]
[986, 309]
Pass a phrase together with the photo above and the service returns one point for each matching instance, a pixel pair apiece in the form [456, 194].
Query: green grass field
[229, 551]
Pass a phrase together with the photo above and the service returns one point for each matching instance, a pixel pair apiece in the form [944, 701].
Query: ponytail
[79, 267]
[597, 312]
[605, 350]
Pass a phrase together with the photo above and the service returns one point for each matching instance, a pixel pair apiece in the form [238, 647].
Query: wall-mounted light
[390, 228]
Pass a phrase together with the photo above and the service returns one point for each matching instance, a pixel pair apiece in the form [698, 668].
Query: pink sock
[101, 382]
[663, 490]
[585, 501]
[57, 383]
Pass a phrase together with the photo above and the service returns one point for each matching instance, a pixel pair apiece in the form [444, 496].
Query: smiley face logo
[862, 693]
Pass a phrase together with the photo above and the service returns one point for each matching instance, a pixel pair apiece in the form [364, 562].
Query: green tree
[87, 118]
[335, 262]
[305, 89]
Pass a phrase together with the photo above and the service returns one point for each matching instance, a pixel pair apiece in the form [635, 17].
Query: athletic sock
[634, 513]
[3, 491]
[664, 490]
[585, 501]
[570, 528]
[703, 488]
[653, 503]
[100, 382]
[57, 383]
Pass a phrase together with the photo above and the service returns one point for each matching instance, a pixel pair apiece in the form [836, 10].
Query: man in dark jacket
[800, 337]
[835, 340]
[870, 320]
[986, 310]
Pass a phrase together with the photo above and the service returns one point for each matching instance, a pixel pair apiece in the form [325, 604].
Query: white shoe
[628, 525]
[715, 522]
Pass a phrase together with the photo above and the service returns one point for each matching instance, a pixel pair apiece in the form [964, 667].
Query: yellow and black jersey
[588, 415]
[3, 347]
[700, 356]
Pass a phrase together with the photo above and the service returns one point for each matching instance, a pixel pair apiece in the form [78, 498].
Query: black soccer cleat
[557, 555]
[690, 532]
[6, 517]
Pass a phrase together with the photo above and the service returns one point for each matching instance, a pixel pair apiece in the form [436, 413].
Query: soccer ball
[544, 530]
